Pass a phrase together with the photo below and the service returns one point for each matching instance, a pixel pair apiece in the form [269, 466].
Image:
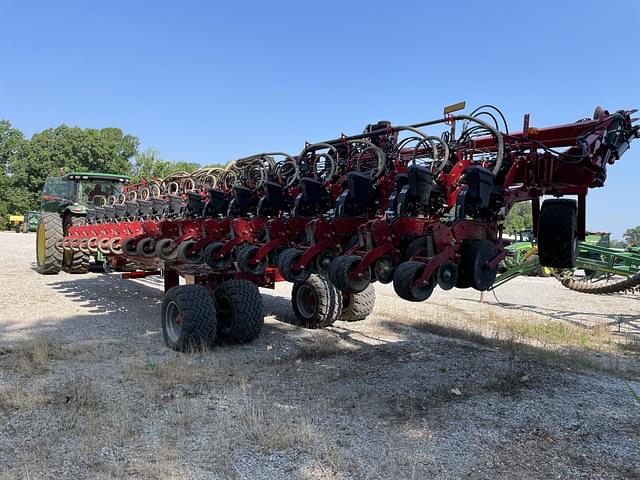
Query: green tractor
[30, 223]
[63, 205]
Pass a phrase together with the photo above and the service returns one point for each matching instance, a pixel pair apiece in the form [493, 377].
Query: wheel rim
[173, 323]
[307, 301]
[41, 245]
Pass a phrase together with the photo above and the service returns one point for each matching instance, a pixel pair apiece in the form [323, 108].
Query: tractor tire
[49, 232]
[75, 262]
[286, 260]
[475, 259]
[239, 311]
[558, 233]
[358, 306]
[404, 279]
[317, 303]
[188, 317]
[340, 274]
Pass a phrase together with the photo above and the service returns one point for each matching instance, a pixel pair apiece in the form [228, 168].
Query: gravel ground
[88, 389]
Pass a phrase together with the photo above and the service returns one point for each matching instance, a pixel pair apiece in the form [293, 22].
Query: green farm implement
[606, 270]
[599, 268]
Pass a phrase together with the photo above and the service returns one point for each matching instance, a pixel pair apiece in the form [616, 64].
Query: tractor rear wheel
[75, 262]
[558, 233]
[188, 317]
[239, 311]
[49, 232]
[358, 306]
[316, 302]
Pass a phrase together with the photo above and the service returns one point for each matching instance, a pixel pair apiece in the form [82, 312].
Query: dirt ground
[534, 382]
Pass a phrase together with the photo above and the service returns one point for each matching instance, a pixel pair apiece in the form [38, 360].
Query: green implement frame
[606, 270]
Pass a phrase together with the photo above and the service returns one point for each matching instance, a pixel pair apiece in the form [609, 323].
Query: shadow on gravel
[109, 293]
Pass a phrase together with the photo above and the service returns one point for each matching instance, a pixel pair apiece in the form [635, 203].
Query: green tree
[519, 218]
[12, 148]
[615, 243]
[106, 150]
[148, 165]
[632, 236]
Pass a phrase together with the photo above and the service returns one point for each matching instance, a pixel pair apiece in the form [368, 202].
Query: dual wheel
[317, 303]
[50, 260]
[192, 317]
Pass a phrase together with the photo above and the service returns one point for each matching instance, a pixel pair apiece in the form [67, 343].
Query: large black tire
[340, 274]
[558, 233]
[475, 264]
[48, 233]
[239, 309]
[358, 306]
[75, 262]
[317, 303]
[404, 278]
[188, 317]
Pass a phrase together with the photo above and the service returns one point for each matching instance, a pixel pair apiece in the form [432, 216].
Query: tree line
[26, 163]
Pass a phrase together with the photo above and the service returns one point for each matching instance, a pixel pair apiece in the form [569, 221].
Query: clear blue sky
[211, 81]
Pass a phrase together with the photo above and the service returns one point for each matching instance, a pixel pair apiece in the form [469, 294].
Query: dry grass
[186, 370]
[319, 350]
[544, 336]
[34, 356]
[18, 396]
[274, 427]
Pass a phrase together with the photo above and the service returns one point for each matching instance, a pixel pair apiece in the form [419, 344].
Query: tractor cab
[76, 191]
